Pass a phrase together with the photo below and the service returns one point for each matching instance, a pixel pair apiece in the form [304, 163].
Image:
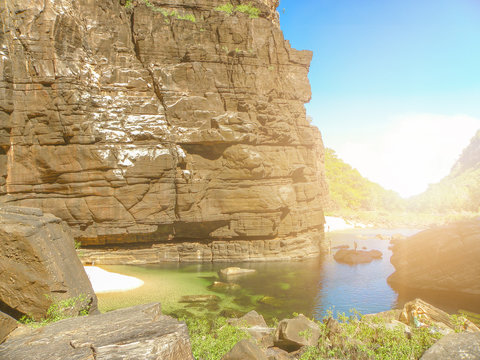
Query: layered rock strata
[443, 258]
[168, 125]
[39, 266]
[140, 332]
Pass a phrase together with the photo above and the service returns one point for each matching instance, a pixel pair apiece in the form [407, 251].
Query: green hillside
[460, 190]
[350, 190]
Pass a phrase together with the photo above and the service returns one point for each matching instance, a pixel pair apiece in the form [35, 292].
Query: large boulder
[443, 258]
[140, 332]
[254, 324]
[465, 346]
[39, 266]
[292, 334]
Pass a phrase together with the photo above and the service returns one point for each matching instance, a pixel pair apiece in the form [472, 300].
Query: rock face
[38, 265]
[173, 124]
[455, 346]
[444, 258]
[141, 332]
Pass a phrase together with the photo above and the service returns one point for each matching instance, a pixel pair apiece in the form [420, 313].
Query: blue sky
[381, 66]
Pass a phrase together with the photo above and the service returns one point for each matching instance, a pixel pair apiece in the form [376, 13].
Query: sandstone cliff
[164, 123]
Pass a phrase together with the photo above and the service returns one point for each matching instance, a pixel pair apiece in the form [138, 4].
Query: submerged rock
[39, 266]
[140, 332]
[357, 256]
[219, 286]
[443, 258]
[199, 298]
[231, 272]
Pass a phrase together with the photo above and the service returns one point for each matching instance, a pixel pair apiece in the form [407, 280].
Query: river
[278, 289]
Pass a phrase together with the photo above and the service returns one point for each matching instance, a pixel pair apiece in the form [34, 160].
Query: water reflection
[278, 289]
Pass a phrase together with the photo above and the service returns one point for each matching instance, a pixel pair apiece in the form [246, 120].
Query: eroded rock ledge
[135, 127]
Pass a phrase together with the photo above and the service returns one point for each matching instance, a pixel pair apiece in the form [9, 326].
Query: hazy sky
[395, 84]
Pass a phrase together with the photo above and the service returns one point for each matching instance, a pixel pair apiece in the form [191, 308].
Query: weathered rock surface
[255, 325]
[232, 272]
[455, 346]
[7, 325]
[443, 258]
[140, 128]
[356, 256]
[419, 313]
[245, 350]
[140, 332]
[39, 265]
[292, 334]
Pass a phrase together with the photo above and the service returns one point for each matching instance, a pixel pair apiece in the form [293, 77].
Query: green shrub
[227, 8]
[58, 310]
[211, 339]
[248, 9]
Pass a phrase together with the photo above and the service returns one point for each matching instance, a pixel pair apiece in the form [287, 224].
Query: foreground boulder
[455, 346]
[443, 258]
[292, 334]
[140, 332]
[7, 325]
[39, 265]
[418, 313]
[245, 350]
[254, 324]
[356, 256]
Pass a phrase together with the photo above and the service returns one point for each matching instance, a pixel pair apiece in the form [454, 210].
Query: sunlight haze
[395, 85]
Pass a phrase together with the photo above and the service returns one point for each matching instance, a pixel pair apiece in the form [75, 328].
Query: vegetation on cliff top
[248, 9]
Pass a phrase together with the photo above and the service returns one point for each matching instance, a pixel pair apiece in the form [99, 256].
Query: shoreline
[335, 223]
[104, 281]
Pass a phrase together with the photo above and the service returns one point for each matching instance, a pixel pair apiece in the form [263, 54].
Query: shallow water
[278, 289]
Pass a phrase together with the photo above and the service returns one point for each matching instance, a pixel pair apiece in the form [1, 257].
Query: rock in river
[140, 332]
[39, 265]
[234, 272]
[356, 256]
[443, 258]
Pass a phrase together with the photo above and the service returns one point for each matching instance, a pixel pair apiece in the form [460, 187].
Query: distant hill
[350, 190]
[460, 190]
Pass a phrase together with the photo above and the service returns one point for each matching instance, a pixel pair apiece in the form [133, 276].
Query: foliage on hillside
[350, 190]
[460, 190]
